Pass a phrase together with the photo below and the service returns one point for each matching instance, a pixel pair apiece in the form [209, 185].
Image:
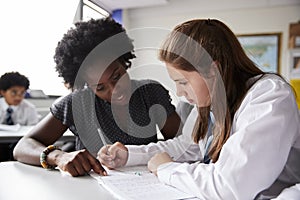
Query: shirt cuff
[136, 156]
[165, 172]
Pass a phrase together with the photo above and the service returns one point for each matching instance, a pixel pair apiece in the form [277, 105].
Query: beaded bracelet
[44, 154]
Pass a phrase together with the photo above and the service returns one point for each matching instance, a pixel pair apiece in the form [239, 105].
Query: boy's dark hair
[12, 79]
[78, 42]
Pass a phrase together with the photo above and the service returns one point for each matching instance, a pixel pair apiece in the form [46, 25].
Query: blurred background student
[14, 109]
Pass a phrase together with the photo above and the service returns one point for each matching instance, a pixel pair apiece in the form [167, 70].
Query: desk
[8, 139]
[15, 136]
[20, 181]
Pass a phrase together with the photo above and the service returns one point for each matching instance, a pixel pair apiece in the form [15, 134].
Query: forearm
[181, 149]
[28, 151]
[199, 179]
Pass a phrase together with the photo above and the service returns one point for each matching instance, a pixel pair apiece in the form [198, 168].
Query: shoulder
[148, 85]
[77, 101]
[267, 92]
[2, 102]
[268, 84]
[67, 99]
[142, 82]
[150, 89]
[62, 101]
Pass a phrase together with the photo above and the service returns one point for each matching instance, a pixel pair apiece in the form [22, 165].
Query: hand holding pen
[113, 156]
[105, 144]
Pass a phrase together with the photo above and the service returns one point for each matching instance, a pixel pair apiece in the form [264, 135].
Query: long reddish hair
[199, 44]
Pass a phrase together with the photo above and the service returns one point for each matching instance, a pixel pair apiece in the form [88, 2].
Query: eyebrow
[112, 74]
[181, 79]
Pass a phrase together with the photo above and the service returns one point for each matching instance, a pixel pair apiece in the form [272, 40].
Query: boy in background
[14, 109]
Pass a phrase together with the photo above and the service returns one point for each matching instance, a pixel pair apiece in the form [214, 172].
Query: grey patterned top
[83, 112]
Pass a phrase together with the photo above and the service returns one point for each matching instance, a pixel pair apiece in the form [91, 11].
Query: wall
[42, 105]
[240, 15]
[30, 32]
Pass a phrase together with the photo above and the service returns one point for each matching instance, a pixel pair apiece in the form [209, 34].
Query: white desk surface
[19, 133]
[11, 136]
[20, 181]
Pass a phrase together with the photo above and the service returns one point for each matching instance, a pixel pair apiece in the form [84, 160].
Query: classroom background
[31, 30]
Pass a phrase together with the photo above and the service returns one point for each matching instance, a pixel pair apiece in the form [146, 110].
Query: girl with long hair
[241, 140]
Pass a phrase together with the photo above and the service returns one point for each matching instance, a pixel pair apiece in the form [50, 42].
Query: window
[30, 34]
[91, 10]
[31, 31]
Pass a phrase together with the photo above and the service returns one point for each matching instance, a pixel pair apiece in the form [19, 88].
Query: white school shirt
[262, 153]
[24, 114]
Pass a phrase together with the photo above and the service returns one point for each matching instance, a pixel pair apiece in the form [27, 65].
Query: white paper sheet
[4, 127]
[136, 183]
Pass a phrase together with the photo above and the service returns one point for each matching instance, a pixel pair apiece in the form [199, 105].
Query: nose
[179, 91]
[110, 88]
[115, 88]
[18, 97]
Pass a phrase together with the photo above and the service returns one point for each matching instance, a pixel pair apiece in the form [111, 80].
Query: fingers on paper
[96, 165]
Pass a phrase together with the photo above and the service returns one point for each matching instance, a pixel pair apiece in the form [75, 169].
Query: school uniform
[24, 114]
[291, 193]
[259, 160]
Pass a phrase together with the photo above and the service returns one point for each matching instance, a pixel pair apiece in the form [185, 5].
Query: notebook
[136, 183]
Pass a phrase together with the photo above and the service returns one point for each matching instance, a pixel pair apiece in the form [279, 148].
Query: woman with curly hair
[105, 105]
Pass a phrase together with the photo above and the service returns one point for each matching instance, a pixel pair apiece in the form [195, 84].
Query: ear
[2, 92]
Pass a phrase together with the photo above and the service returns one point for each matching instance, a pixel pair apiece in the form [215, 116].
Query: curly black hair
[78, 42]
[11, 79]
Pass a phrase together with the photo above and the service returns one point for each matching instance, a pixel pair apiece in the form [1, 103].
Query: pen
[103, 140]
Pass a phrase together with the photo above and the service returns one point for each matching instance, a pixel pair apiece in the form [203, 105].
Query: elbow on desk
[17, 152]
[24, 154]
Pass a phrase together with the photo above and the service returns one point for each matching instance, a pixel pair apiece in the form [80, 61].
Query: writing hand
[157, 160]
[79, 163]
[113, 156]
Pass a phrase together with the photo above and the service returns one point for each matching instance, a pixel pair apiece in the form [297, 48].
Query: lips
[118, 98]
[16, 103]
[190, 100]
